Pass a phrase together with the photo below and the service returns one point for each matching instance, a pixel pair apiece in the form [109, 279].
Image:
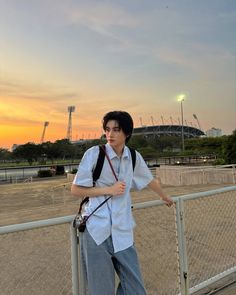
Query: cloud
[102, 15]
[14, 121]
[20, 101]
[98, 16]
[41, 92]
[228, 17]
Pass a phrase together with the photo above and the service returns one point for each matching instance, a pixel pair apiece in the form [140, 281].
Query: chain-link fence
[181, 249]
[184, 252]
[36, 261]
[210, 223]
[156, 242]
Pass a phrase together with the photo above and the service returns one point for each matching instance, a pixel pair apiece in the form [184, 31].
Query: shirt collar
[112, 154]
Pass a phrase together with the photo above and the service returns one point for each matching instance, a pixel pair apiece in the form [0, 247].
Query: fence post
[233, 171]
[203, 176]
[183, 263]
[74, 260]
[82, 278]
[180, 177]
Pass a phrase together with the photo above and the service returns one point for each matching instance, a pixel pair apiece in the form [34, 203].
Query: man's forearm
[156, 187]
[116, 189]
[80, 191]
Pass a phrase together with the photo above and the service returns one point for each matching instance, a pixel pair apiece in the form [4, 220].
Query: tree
[48, 151]
[165, 142]
[137, 142]
[4, 154]
[148, 152]
[29, 151]
[205, 145]
[63, 148]
[229, 149]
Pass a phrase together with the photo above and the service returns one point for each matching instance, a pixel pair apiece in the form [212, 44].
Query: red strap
[109, 161]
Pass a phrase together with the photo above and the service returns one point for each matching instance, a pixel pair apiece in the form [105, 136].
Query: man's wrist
[163, 196]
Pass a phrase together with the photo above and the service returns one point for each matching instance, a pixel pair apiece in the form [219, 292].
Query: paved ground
[218, 288]
[231, 290]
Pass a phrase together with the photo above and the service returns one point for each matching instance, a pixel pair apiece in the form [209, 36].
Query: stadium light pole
[181, 98]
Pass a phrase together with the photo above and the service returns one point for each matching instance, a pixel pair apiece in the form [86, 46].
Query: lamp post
[181, 98]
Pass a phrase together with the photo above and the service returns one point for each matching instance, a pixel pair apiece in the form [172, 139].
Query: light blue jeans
[99, 264]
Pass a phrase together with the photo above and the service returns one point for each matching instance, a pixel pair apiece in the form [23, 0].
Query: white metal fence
[39, 258]
[181, 249]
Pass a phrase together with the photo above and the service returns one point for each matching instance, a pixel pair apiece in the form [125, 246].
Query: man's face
[114, 134]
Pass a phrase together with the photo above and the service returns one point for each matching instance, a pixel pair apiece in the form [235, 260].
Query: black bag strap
[133, 156]
[98, 169]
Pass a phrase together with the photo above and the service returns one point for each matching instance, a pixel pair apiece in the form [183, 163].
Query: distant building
[214, 132]
[168, 130]
[158, 131]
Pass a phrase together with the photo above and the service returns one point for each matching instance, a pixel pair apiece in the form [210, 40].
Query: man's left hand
[169, 202]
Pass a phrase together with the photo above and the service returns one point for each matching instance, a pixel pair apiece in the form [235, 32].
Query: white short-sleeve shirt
[115, 216]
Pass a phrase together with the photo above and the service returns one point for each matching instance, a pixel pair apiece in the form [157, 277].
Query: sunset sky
[104, 55]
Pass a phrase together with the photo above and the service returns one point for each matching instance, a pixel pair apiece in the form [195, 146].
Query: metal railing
[181, 249]
[185, 175]
[18, 174]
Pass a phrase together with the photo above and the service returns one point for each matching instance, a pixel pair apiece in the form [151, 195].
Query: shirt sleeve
[84, 175]
[142, 175]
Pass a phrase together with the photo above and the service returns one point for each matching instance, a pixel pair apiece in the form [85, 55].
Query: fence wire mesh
[155, 238]
[210, 235]
[36, 261]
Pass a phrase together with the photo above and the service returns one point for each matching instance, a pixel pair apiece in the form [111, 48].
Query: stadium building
[168, 130]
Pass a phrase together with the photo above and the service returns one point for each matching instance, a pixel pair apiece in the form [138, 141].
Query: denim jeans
[99, 264]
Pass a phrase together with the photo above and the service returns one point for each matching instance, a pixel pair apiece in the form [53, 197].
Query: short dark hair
[124, 121]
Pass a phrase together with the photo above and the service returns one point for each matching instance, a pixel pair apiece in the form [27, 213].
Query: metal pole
[74, 260]
[233, 171]
[183, 264]
[182, 129]
[82, 276]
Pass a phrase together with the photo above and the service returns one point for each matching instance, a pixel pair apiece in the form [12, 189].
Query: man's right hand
[118, 188]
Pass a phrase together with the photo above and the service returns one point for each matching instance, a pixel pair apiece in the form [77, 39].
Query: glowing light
[181, 97]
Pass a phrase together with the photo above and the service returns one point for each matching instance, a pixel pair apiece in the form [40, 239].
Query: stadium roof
[168, 130]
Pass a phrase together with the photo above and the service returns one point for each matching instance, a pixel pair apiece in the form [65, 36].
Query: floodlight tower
[152, 120]
[162, 120]
[71, 109]
[44, 130]
[141, 121]
[181, 98]
[196, 118]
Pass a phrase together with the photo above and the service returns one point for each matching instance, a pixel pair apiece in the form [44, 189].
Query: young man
[107, 244]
